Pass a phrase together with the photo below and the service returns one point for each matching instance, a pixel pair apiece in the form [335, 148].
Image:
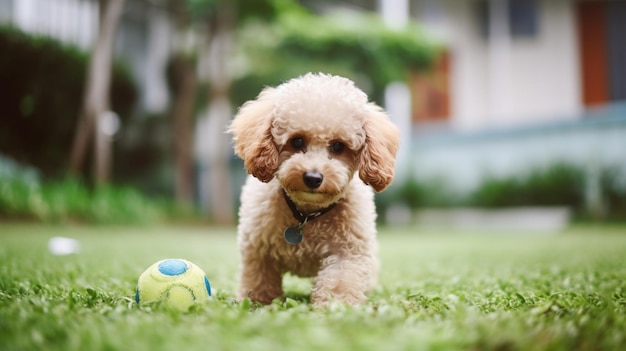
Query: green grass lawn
[438, 291]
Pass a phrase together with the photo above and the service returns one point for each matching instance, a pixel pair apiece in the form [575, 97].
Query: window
[522, 15]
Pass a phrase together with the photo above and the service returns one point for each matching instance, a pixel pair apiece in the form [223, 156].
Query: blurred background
[512, 112]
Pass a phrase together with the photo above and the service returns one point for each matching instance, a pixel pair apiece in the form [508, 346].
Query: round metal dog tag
[293, 235]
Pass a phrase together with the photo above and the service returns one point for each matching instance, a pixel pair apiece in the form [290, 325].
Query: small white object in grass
[60, 246]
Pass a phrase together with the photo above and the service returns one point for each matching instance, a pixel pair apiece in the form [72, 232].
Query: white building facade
[530, 83]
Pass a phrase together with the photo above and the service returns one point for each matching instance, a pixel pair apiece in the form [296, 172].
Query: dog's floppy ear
[378, 156]
[251, 130]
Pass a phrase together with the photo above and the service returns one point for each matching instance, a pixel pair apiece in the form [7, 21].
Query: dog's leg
[259, 280]
[344, 279]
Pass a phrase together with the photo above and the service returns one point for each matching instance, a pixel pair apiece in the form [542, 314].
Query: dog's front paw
[262, 294]
[343, 281]
[323, 298]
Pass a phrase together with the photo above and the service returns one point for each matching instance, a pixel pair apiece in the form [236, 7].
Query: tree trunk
[220, 189]
[182, 118]
[96, 98]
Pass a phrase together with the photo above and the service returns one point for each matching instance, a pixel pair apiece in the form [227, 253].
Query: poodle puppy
[315, 148]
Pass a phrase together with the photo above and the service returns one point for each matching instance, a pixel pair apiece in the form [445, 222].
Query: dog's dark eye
[337, 147]
[297, 143]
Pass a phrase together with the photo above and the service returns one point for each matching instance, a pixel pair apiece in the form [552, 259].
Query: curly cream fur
[339, 248]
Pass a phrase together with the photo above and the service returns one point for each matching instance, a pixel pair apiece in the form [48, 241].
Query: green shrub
[560, 184]
[425, 193]
[24, 196]
[70, 200]
[613, 187]
[144, 155]
[358, 46]
[41, 97]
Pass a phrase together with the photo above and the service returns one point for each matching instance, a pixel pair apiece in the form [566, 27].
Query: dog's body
[339, 252]
[311, 145]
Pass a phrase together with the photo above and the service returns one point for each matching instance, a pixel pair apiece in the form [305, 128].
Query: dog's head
[313, 133]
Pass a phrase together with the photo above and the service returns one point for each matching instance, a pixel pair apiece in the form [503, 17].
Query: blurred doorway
[602, 45]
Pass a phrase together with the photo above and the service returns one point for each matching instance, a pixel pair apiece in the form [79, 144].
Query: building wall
[71, 21]
[537, 79]
[6, 10]
[592, 140]
[516, 102]
[545, 74]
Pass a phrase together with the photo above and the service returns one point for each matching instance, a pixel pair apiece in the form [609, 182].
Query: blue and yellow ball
[176, 283]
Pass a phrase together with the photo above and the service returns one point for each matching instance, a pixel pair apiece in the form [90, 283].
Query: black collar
[301, 217]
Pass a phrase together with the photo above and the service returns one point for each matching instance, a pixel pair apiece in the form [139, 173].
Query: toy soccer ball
[177, 283]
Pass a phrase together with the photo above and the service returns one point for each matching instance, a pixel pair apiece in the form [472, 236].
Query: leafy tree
[215, 21]
[359, 46]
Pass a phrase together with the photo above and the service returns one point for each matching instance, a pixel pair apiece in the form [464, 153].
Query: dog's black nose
[313, 179]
